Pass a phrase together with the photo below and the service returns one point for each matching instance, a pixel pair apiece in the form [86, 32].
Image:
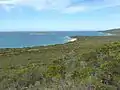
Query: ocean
[30, 39]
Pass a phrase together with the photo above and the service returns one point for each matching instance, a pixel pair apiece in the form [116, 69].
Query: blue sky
[59, 14]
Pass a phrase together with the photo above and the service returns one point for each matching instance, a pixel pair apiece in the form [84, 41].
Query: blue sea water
[29, 39]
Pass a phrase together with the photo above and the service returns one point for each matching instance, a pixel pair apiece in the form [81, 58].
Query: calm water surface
[28, 39]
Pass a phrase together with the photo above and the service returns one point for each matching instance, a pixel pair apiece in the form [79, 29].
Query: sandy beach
[73, 39]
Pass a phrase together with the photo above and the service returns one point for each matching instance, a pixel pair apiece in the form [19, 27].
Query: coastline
[106, 34]
[69, 39]
[109, 34]
[63, 40]
[72, 40]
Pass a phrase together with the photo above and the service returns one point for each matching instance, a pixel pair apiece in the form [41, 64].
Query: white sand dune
[72, 39]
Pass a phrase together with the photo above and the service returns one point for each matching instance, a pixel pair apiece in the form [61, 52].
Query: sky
[59, 15]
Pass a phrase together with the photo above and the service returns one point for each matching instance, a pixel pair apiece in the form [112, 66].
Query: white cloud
[38, 4]
[66, 6]
[75, 9]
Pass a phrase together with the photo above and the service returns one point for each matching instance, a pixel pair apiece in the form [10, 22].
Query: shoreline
[72, 40]
[110, 34]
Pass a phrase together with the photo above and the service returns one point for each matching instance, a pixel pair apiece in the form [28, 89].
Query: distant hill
[113, 31]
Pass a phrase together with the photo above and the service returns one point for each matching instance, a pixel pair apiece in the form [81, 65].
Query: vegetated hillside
[46, 54]
[113, 31]
[86, 64]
